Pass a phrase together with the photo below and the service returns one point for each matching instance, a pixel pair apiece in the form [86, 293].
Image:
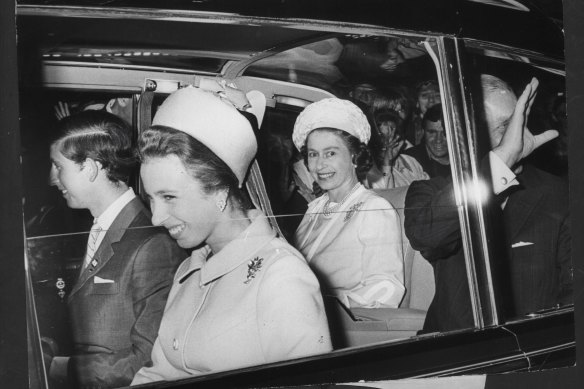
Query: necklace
[328, 209]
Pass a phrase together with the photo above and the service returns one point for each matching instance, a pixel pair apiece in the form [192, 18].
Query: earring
[221, 204]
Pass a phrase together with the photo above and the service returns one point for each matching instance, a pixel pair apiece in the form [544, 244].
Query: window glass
[57, 235]
[528, 209]
[389, 256]
[395, 83]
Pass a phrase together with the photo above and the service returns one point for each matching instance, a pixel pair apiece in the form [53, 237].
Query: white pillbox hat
[213, 121]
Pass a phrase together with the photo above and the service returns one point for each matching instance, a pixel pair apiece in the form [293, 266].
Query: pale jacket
[254, 302]
[357, 251]
[406, 169]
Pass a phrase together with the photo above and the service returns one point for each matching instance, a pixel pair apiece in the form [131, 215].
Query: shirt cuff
[501, 176]
[59, 368]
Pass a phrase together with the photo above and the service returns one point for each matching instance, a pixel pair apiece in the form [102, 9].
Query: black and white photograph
[291, 194]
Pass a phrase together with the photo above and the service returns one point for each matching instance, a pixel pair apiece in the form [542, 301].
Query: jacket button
[175, 344]
[504, 180]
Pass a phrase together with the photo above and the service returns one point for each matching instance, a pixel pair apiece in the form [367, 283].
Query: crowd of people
[210, 286]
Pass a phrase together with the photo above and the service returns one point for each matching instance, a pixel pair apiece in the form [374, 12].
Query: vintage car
[126, 57]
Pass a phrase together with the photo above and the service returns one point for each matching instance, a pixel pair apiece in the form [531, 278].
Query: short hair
[202, 164]
[433, 114]
[490, 84]
[425, 84]
[101, 136]
[360, 152]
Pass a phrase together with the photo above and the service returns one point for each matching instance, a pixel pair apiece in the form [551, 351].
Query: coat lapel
[106, 249]
[519, 208]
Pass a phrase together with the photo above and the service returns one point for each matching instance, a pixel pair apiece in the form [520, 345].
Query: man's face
[70, 178]
[435, 139]
[499, 107]
[428, 96]
[363, 93]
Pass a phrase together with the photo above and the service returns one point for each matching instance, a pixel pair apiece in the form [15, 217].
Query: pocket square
[99, 280]
[521, 244]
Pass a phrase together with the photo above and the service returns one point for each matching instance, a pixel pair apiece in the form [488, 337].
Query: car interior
[291, 67]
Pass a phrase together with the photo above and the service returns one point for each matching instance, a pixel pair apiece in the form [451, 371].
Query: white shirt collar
[106, 219]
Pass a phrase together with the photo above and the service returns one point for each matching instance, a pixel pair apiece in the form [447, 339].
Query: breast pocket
[109, 288]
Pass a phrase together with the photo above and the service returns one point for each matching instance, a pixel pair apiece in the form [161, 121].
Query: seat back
[418, 273]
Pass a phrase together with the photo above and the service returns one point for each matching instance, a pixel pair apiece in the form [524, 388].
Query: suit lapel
[519, 208]
[106, 249]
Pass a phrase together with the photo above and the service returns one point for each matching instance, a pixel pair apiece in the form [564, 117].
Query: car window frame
[516, 55]
[465, 167]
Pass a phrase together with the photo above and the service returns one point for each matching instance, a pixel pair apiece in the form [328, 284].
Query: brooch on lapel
[252, 268]
[354, 208]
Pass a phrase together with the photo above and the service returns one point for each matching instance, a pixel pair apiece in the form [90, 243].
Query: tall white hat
[213, 121]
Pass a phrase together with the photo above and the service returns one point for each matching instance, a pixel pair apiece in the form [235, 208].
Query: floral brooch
[351, 211]
[252, 268]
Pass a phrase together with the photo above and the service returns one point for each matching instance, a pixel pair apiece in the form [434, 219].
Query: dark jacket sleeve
[431, 218]
[154, 264]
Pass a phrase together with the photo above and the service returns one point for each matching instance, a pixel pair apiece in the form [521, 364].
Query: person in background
[427, 95]
[535, 223]
[122, 107]
[117, 302]
[245, 296]
[432, 153]
[350, 236]
[391, 168]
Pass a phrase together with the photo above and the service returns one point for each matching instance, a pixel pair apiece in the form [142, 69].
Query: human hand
[392, 147]
[62, 110]
[517, 141]
[306, 193]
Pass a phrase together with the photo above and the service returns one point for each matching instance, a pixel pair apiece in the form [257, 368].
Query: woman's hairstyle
[203, 165]
[101, 136]
[392, 98]
[361, 156]
[376, 119]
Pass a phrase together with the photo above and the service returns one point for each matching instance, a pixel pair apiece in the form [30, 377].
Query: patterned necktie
[91, 242]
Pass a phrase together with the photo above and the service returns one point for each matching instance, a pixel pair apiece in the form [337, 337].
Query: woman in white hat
[244, 297]
[350, 236]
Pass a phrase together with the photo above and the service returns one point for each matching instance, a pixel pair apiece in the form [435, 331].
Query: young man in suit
[432, 152]
[534, 207]
[117, 302]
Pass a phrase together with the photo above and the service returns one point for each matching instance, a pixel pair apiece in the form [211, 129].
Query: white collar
[106, 219]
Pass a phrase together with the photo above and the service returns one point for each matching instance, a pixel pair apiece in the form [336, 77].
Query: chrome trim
[512, 50]
[498, 361]
[462, 151]
[96, 65]
[210, 17]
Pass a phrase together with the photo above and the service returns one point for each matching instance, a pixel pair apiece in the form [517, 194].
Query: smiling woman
[350, 236]
[374, 55]
[225, 309]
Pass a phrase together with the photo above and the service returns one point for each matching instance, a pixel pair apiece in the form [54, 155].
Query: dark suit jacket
[115, 323]
[430, 166]
[535, 220]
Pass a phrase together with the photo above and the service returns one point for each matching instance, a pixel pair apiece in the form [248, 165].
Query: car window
[420, 153]
[396, 83]
[529, 221]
